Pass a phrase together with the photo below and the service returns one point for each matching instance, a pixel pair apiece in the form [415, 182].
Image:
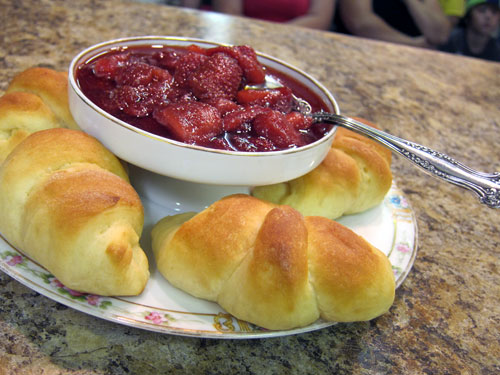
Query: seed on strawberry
[186, 66]
[218, 77]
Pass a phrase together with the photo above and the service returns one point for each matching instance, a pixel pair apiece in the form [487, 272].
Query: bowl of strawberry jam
[187, 109]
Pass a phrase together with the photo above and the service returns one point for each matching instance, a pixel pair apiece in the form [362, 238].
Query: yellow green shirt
[453, 7]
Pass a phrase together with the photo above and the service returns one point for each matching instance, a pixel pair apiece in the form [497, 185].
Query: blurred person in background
[477, 36]
[317, 14]
[418, 23]
[179, 3]
[454, 10]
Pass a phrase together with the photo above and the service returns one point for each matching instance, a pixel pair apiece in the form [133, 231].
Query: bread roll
[36, 99]
[20, 115]
[66, 202]
[271, 266]
[51, 86]
[354, 176]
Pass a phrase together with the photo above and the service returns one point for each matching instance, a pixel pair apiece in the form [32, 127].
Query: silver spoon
[485, 185]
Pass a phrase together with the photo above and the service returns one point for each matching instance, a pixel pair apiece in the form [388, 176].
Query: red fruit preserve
[198, 96]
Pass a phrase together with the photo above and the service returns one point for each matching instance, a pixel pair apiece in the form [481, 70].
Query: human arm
[430, 19]
[234, 7]
[360, 19]
[319, 16]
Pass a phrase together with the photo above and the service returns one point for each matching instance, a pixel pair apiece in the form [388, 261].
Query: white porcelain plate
[391, 227]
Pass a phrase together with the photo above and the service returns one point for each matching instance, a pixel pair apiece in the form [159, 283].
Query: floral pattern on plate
[163, 308]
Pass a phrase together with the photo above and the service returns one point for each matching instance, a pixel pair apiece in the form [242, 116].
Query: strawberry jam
[197, 96]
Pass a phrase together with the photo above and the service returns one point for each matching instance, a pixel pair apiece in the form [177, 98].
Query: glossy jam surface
[198, 96]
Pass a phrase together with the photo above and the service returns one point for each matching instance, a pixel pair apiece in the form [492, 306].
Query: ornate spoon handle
[485, 185]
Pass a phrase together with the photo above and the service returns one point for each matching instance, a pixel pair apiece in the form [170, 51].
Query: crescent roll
[66, 203]
[271, 266]
[36, 99]
[354, 176]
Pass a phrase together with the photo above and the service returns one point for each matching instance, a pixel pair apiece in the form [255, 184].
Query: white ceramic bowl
[189, 162]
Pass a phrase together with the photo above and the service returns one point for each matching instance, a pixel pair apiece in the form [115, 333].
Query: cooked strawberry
[219, 143]
[141, 74]
[241, 118]
[251, 143]
[197, 49]
[222, 49]
[276, 128]
[224, 106]
[279, 99]
[108, 101]
[162, 75]
[159, 92]
[150, 125]
[218, 77]
[109, 66]
[191, 94]
[247, 59]
[186, 66]
[253, 96]
[180, 94]
[133, 101]
[134, 75]
[167, 59]
[139, 101]
[254, 72]
[190, 122]
[299, 121]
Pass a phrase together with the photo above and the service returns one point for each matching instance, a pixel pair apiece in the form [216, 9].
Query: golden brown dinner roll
[66, 202]
[271, 266]
[354, 176]
[51, 86]
[21, 114]
[36, 99]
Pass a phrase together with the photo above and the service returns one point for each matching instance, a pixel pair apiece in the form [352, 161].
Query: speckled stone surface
[446, 316]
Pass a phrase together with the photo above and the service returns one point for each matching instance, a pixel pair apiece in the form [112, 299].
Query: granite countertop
[446, 316]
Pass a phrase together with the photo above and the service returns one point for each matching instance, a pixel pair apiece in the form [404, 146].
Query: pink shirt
[275, 10]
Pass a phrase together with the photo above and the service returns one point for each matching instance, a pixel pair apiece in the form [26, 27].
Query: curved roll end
[354, 176]
[352, 279]
[273, 267]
